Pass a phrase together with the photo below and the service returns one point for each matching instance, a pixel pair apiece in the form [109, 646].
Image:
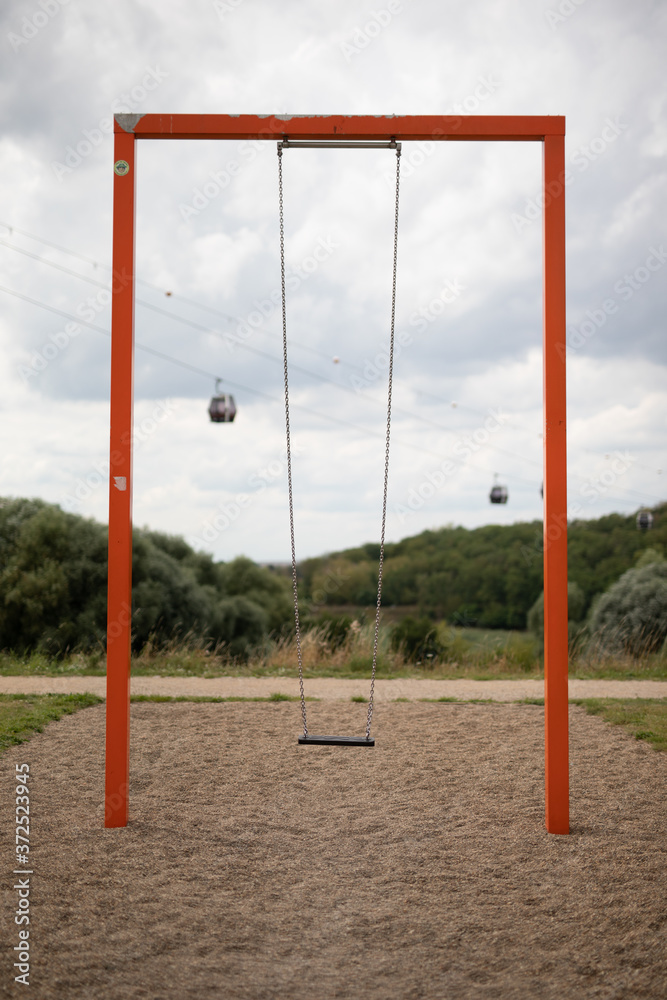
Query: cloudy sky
[468, 380]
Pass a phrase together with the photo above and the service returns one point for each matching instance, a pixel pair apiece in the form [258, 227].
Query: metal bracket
[337, 144]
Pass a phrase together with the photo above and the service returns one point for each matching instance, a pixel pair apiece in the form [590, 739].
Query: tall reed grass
[465, 653]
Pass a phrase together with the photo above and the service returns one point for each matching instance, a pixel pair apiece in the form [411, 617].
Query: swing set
[293, 132]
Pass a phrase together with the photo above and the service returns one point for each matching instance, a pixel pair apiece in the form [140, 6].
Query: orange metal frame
[548, 130]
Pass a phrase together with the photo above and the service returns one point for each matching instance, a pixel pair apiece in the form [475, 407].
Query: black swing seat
[338, 741]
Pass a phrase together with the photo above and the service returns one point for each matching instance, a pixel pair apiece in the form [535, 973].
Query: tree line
[489, 576]
[53, 577]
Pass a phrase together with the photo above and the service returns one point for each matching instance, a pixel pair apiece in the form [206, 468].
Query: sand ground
[254, 868]
[334, 689]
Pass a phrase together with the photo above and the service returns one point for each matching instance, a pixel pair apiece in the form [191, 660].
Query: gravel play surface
[335, 688]
[255, 868]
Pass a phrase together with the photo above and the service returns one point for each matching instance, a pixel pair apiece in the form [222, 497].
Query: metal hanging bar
[288, 143]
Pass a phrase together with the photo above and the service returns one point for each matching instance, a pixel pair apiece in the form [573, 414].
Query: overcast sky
[468, 378]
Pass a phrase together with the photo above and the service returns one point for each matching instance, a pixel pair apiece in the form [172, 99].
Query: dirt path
[333, 689]
[255, 869]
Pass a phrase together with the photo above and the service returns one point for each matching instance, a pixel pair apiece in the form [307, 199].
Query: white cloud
[479, 347]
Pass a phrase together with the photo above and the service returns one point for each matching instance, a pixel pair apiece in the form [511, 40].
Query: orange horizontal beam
[483, 128]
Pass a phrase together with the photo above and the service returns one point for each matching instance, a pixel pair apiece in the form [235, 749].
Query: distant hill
[53, 579]
[487, 576]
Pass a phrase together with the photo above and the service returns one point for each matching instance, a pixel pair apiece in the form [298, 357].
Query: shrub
[649, 556]
[240, 624]
[52, 578]
[53, 587]
[631, 617]
[576, 603]
[269, 591]
[334, 629]
[417, 638]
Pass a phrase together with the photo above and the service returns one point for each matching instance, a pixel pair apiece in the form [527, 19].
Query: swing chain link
[386, 450]
[289, 446]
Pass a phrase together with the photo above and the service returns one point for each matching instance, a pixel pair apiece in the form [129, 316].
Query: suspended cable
[246, 347]
[101, 284]
[259, 352]
[305, 738]
[461, 463]
[141, 281]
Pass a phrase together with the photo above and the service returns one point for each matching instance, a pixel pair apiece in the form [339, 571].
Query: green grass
[23, 715]
[643, 718]
[619, 668]
[41, 665]
[436, 700]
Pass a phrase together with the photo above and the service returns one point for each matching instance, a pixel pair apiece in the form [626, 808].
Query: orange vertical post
[119, 616]
[547, 129]
[555, 493]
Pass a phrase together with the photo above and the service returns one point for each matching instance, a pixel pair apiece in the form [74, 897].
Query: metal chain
[289, 445]
[386, 451]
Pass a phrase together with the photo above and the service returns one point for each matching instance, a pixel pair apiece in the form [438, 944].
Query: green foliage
[417, 638]
[343, 580]
[576, 604]
[53, 580]
[577, 631]
[362, 665]
[240, 624]
[334, 629]
[649, 556]
[490, 652]
[631, 617]
[165, 597]
[600, 551]
[489, 576]
[270, 592]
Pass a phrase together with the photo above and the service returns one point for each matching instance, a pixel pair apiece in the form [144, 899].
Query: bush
[334, 629]
[52, 578]
[576, 603]
[53, 587]
[631, 617]
[240, 624]
[166, 600]
[267, 590]
[649, 556]
[417, 638]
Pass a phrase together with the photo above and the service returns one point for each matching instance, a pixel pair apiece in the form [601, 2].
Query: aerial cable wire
[461, 463]
[100, 284]
[264, 354]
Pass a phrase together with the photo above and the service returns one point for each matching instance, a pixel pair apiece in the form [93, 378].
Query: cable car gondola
[644, 520]
[498, 493]
[222, 408]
